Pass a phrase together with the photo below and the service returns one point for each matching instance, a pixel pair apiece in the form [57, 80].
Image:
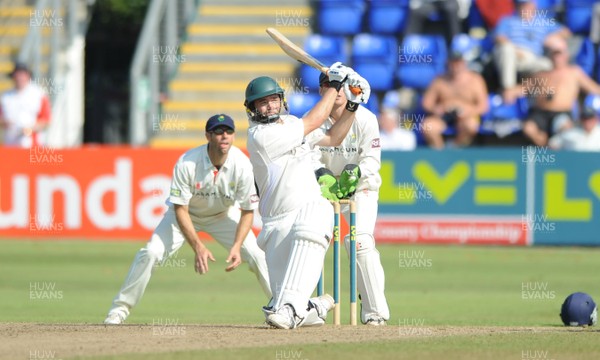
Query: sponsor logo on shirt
[375, 143]
[253, 199]
[198, 185]
[175, 192]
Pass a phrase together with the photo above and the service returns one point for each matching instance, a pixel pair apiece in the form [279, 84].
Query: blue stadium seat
[421, 58]
[586, 57]
[475, 19]
[578, 15]
[549, 7]
[388, 16]
[503, 118]
[300, 103]
[340, 17]
[327, 49]
[374, 57]
[373, 104]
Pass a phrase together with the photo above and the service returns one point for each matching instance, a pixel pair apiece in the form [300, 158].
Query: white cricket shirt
[22, 109]
[281, 160]
[207, 191]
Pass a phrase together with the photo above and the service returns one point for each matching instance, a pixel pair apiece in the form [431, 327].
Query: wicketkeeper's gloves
[348, 181]
[328, 183]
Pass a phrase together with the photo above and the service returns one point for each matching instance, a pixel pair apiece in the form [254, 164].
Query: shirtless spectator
[455, 99]
[553, 94]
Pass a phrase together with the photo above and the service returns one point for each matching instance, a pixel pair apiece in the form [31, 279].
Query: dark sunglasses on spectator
[221, 130]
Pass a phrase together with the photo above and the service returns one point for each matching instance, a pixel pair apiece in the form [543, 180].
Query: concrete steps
[226, 47]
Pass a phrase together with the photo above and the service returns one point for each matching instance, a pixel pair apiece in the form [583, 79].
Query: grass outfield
[427, 289]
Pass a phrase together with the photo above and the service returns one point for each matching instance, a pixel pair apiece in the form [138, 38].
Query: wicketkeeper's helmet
[259, 88]
[579, 309]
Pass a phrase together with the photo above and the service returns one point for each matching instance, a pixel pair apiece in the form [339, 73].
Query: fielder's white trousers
[168, 238]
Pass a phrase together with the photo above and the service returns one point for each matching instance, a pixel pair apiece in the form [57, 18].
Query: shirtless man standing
[553, 94]
[457, 98]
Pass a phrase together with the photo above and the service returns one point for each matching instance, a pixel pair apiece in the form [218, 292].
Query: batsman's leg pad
[370, 277]
[312, 318]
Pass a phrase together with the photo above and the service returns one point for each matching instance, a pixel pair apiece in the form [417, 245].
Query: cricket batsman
[351, 170]
[297, 220]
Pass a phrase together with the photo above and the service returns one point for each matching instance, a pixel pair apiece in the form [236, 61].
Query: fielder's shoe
[375, 321]
[284, 318]
[114, 319]
[323, 304]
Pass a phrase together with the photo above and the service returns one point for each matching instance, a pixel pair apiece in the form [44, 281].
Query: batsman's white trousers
[370, 276]
[167, 239]
[295, 244]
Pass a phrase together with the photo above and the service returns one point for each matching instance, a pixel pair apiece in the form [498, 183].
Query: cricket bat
[297, 53]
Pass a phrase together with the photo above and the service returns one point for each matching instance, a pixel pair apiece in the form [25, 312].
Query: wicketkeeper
[351, 170]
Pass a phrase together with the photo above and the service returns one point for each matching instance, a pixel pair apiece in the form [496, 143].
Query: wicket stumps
[336, 262]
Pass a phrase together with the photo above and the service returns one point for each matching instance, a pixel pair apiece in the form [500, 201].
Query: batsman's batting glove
[338, 74]
[328, 183]
[356, 81]
[348, 181]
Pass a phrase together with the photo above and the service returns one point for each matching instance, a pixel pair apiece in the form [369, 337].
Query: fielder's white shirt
[21, 110]
[361, 146]
[282, 165]
[207, 191]
[577, 139]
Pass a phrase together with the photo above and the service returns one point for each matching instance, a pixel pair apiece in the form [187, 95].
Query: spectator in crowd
[24, 110]
[455, 99]
[421, 10]
[553, 94]
[391, 133]
[519, 42]
[585, 137]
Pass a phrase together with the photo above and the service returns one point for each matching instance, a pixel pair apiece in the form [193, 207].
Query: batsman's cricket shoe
[284, 318]
[375, 321]
[114, 318]
[323, 304]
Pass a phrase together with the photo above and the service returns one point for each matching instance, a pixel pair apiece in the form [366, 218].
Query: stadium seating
[586, 57]
[474, 19]
[327, 49]
[373, 104]
[388, 16]
[340, 17]
[502, 118]
[375, 58]
[300, 103]
[578, 15]
[421, 59]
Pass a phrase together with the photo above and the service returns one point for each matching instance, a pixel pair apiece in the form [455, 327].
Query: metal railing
[164, 28]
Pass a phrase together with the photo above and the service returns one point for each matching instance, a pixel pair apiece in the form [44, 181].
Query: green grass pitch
[431, 286]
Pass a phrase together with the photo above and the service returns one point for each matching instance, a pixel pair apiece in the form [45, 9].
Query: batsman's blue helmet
[579, 309]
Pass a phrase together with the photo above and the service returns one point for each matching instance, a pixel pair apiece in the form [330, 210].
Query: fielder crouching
[356, 164]
[208, 184]
[297, 220]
